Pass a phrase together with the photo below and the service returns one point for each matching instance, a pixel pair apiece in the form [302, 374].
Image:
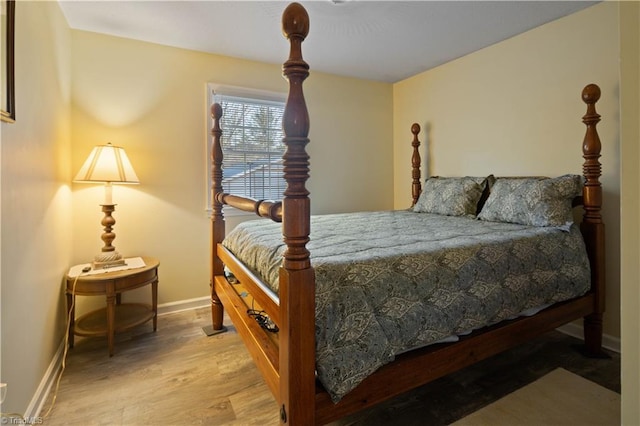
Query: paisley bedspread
[387, 282]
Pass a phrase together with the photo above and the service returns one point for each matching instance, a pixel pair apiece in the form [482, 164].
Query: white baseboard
[575, 330]
[184, 305]
[34, 409]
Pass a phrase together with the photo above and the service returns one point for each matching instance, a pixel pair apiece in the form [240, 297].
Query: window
[251, 142]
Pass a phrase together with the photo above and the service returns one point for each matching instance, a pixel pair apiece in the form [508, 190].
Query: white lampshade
[107, 163]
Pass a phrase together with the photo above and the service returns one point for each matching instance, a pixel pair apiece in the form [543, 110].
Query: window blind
[252, 147]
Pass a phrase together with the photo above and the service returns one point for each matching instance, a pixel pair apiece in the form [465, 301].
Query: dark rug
[457, 395]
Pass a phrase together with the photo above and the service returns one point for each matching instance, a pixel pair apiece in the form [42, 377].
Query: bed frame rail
[263, 208]
[264, 297]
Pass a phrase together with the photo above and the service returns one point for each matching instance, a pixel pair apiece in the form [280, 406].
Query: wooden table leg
[154, 303]
[111, 316]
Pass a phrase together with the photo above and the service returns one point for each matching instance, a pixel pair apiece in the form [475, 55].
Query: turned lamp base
[109, 257]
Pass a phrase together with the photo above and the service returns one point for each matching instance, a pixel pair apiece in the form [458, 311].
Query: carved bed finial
[591, 148]
[416, 186]
[295, 21]
[591, 93]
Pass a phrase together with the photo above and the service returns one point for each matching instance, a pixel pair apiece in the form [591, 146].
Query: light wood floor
[176, 376]
[180, 376]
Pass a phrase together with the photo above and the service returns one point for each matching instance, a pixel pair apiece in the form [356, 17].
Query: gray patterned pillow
[533, 201]
[456, 196]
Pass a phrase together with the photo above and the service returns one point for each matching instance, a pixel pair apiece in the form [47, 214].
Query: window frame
[215, 90]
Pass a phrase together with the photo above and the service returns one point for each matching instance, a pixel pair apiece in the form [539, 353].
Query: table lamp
[107, 164]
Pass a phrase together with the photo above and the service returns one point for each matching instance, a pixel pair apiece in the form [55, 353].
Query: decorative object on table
[107, 164]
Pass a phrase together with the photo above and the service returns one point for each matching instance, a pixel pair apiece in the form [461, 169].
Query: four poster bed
[357, 308]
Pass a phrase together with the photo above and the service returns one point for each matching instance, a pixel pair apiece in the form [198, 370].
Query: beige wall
[150, 99]
[515, 109]
[36, 202]
[630, 209]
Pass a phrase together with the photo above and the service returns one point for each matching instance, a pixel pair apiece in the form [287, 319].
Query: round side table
[116, 317]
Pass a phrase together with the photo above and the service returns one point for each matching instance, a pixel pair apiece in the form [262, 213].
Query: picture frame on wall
[7, 31]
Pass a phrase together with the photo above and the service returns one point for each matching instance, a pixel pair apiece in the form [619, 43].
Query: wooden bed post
[297, 280]
[217, 222]
[416, 185]
[592, 226]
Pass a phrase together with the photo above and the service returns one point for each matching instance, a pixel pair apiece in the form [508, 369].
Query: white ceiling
[377, 40]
